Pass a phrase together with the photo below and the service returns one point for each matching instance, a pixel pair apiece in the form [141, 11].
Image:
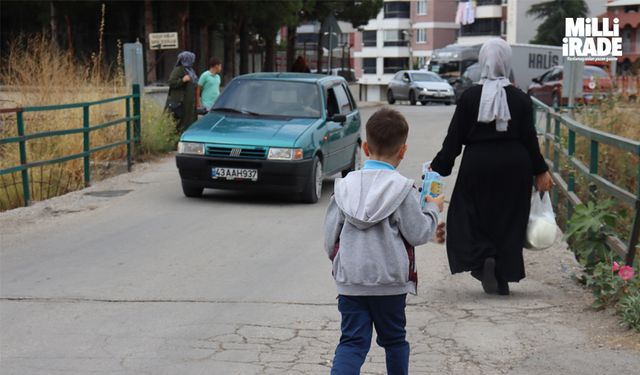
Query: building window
[393, 64]
[369, 65]
[397, 9]
[422, 7]
[396, 38]
[489, 2]
[482, 26]
[369, 38]
[421, 36]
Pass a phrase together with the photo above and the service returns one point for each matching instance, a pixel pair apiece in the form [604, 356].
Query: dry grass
[34, 73]
[619, 117]
[614, 116]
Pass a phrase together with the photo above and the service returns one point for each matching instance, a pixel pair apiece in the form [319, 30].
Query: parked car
[548, 87]
[470, 77]
[279, 132]
[419, 86]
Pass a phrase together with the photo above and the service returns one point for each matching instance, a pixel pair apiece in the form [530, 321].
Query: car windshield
[472, 73]
[451, 68]
[260, 97]
[593, 71]
[426, 77]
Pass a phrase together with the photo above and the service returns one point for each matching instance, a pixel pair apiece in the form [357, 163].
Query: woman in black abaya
[489, 209]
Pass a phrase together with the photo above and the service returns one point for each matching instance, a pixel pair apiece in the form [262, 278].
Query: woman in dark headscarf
[489, 210]
[182, 90]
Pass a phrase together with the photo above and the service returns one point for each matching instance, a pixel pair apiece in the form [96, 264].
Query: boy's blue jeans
[359, 314]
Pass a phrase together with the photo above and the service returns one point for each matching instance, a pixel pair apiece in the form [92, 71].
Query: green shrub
[587, 230]
[630, 311]
[613, 283]
[158, 129]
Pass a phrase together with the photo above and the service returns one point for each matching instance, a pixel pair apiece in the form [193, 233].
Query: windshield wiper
[225, 109]
[235, 110]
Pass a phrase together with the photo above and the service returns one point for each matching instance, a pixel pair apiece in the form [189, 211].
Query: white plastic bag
[542, 228]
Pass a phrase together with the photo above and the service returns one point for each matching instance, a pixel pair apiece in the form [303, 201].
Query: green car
[277, 132]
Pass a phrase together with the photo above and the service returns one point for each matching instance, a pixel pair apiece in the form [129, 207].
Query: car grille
[237, 152]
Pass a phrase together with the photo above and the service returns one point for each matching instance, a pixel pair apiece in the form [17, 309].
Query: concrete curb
[362, 105]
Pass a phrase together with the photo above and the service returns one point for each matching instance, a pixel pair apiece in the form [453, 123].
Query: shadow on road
[262, 198]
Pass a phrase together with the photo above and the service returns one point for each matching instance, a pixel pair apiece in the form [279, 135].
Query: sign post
[163, 40]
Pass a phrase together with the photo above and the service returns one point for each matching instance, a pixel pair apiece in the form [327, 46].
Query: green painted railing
[131, 141]
[555, 143]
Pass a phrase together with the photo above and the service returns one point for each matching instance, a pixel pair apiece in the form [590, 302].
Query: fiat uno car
[277, 132]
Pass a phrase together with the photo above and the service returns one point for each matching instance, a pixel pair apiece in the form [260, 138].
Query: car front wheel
[412, 98]
[390, 98]
[192, 191]
[313, 188]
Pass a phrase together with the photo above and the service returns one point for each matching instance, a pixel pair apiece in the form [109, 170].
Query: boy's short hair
[214, 61]
[387, 131]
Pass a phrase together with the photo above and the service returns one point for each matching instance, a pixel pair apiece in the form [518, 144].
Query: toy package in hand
[432, 183]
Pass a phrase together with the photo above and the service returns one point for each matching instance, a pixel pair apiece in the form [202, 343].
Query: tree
[551, 30]
[268, 18]
[354, 11]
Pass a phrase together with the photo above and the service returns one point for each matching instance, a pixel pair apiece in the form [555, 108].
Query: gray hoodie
[372, 224]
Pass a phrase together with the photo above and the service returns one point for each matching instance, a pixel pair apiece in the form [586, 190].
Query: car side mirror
[338, 118]
[536, 80]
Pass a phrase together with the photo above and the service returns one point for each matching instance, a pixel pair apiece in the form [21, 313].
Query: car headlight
[190, 148]
[284, 153]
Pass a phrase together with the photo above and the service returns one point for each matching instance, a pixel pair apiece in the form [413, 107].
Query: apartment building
[402, 36]
[628, 14]
[489, 21]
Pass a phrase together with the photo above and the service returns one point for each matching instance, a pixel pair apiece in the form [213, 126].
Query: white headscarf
[495, 65]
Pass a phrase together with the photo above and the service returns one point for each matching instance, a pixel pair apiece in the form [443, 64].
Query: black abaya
[489, 208]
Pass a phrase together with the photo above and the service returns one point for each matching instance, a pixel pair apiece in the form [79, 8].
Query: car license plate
[234, 173]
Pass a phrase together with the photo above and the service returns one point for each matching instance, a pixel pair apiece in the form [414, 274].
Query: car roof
[295, 77]
[416, 71]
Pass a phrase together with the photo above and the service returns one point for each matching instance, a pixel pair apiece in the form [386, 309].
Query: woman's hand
[186, 78]
[544, 181]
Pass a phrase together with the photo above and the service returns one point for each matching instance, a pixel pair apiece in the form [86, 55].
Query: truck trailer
[528, 61]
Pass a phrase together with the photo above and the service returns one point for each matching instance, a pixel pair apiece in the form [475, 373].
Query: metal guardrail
[554, 140]
[85, 130]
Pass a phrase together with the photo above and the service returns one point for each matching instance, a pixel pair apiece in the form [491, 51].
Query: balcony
[397, 9]
[482, 27]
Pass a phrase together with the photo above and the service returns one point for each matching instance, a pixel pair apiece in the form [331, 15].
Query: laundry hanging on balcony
[466, 13]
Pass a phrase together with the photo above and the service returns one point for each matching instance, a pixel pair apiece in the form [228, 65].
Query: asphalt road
[151, 282]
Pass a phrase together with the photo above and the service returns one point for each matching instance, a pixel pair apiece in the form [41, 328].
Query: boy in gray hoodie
[373, 222]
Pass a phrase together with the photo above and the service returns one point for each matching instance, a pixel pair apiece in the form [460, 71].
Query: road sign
[163, 40]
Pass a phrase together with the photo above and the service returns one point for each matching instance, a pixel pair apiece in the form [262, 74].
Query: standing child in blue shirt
[208, 88]
[372, 225]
